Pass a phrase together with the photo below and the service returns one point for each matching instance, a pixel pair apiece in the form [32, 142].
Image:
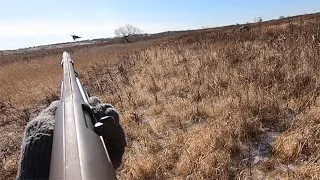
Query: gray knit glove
[111, 131]
[37, 142]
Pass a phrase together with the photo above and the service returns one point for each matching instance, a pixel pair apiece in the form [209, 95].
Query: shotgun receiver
[78, 152]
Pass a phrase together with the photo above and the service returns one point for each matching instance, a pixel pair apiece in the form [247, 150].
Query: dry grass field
[223, 103]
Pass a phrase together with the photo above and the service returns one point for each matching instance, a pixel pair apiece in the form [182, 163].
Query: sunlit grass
[199, 106]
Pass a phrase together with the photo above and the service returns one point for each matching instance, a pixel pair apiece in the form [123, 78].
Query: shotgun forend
[78, 152]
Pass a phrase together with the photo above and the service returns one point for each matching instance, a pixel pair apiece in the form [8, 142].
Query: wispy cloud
[16, 34]
[42, 28]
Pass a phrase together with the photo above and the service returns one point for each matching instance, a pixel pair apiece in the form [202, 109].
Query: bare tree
[258, 19]
[126, 31]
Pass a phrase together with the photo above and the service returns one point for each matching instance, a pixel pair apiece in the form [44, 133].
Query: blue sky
[27, 23]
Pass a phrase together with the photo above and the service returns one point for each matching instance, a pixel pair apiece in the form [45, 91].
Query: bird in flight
[75, 37]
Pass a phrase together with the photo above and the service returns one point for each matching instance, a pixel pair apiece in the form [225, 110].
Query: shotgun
[78, 151]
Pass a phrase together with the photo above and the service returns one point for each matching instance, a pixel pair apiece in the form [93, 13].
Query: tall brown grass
[214, 104]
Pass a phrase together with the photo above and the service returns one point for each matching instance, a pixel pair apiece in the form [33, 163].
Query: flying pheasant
[75, 37]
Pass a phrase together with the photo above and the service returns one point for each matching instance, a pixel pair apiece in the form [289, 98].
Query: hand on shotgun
[38, 136]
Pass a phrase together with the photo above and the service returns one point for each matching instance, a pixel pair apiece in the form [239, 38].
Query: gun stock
[77, 151]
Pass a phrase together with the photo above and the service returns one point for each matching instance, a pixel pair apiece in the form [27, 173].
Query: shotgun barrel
[78, 152]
